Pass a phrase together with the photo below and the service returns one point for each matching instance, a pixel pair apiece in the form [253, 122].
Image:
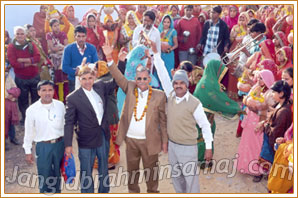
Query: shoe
[14, 141]
[257, 178]
[112, 167]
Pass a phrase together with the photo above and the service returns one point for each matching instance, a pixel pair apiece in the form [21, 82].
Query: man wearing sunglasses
[142, 124]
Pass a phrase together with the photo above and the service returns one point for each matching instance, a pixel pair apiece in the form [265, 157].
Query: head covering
[287, 53]
[246, 17]
[269, 23]
[65, 10]
[210, 92]
[269, 65]
[135, 58]
[134, 16]
[107, 18]
[181, 75]
[231, 21]
[102, 68]
[268, 77]
[268, 49]
[281, 37]
[84, 21]
[160, 27]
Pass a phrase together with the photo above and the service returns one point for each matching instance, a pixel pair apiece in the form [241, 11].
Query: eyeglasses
[140, 78]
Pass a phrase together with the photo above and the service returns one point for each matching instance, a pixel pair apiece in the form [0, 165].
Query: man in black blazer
[86, 107]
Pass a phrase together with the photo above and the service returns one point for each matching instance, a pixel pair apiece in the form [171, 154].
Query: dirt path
[226, 145]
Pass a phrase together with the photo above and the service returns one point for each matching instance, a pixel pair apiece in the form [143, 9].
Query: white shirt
[43, 123]
[153, 35]
[136, 129]
[96, 103]
[199, 114]
[82, 51]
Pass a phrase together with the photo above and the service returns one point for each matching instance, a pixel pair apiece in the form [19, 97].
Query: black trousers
[26, 86]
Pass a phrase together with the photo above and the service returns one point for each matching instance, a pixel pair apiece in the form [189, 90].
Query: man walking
[184, 111]
[44, 125]
[87, 107]
[142, 125]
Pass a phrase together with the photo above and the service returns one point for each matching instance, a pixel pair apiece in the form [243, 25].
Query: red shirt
[194, 27]
[23, 72]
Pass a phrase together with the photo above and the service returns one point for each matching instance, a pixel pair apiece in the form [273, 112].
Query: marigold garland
[146, 107]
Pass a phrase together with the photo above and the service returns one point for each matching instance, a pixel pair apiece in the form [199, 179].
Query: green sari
[211, 93]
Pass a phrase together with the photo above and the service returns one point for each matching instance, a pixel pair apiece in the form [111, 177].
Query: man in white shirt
[44, 125]
[184, 111]
[148, 29]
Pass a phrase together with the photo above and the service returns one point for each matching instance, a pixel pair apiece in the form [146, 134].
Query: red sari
[97, 42]
[288, 55]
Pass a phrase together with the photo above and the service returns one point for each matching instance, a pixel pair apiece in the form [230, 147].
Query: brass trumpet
[234, 55]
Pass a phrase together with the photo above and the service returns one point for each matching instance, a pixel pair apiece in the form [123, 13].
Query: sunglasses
[140, 78]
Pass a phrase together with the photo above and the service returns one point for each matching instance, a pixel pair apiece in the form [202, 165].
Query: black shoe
[14, 141]
[112, 167]
[257, 178]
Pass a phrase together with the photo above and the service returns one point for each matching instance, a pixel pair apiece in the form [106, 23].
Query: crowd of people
[153, 78]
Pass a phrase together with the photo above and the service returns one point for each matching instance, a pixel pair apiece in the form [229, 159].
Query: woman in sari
[280, 40]
[267, 52]
[237, 34]
[65, 25]
[284, 58]
[269, 23]
[44, 60]
[279, 181]
[57, 40]
[251, 141]
[169, 42]
[95, 35]
[210, 92]
[174, 12]
[232, 18]
[68, 11]
[277, 124]
[111, 34]
[131, 22]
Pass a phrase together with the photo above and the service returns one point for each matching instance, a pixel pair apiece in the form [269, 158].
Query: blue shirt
[72, 58]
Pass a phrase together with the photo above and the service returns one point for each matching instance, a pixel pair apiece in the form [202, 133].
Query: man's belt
[53, 141]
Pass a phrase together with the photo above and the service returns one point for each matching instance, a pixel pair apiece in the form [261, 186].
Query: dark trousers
[87, 157]
[27, 86]
[135, 150]
[71, 85]
[11, 132]
[49, 158]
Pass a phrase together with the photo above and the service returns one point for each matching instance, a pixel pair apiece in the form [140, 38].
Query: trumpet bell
[209, 57]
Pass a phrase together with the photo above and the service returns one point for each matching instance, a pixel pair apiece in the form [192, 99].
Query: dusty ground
[226, 145]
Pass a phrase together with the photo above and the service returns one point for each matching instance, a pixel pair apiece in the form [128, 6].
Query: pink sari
[229, 20]
[251, 142]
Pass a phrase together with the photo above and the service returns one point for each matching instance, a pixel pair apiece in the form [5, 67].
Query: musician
[147, 31]
[256, 33]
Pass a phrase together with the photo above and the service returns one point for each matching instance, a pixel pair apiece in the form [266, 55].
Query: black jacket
[223, 37]
[79, 111]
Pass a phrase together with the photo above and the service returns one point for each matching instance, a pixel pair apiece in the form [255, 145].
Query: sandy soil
[220, 181]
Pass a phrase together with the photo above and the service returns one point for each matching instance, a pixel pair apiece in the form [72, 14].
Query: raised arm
[120, 79]
[162, 71]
